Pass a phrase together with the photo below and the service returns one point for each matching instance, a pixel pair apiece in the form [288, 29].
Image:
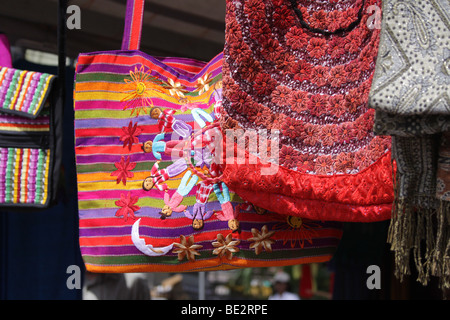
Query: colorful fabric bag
[30, 138]
[299, 73]
[150, 190]
[410, 93]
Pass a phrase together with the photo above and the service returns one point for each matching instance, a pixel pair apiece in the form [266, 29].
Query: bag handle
[305, 25]
[133, 25]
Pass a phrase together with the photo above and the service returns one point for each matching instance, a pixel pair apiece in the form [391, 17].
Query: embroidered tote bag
[30, 138]
[151, 197]
[297, 75]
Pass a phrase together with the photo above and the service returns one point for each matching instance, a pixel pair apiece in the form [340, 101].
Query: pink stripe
[32, 176]
[3, 161]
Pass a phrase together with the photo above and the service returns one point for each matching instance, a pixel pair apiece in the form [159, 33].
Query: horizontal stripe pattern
[105, 238]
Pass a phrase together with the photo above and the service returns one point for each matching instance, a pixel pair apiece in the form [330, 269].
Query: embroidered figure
[159, 176]
[227, 213]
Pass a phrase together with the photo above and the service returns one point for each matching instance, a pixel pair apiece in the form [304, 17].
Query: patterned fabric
[150, 193]
[26, 157]
[410, 93]
[413, 72]
[24, 174]
[304, 69]
[23, 92]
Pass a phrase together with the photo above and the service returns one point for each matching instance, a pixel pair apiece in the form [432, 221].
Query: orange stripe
[26, 174]
[206, 265]
[21, 125]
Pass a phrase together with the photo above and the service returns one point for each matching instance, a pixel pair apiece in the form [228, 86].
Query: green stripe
[243, 254]
[9, 186]
[38, 192]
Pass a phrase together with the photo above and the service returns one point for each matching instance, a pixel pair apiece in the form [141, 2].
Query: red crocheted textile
[305, 68]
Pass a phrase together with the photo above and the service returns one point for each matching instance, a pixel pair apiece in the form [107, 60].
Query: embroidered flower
[319, 76]
[225, 246]
[296, 38]
[352, 41]
[299, 101]
[128, 206]
[123, 170]
[261, 240]
[296, 230]
[305, 163]
[303, 71]
[203, 83]
[282, 17]
[338, 76]
[280, 95]
[310, 134]
[336, 105]
[334, 20]
[264, 84]
[130, 135]
[352, 100]
[288, 157]
[344, 162]
[324, 165]
[139, 89]
[288, 63]
[187, 248]
[318, 104]
[240, 100]
[176, 89]
[348, 132]
[336, 48]
[249, 68]
[319, 20]
[328, 135]
[316, 47]
[353, 71]
[262, 116]
[292, 128]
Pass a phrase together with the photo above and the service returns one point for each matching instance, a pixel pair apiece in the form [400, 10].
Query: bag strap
[133, 25]
[305, 25]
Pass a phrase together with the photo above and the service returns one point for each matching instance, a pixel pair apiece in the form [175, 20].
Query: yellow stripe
[44, 199]
[23, 186]
[43, 92]
[15, 129]
[19, 87]
[16, 175]
[24, 88]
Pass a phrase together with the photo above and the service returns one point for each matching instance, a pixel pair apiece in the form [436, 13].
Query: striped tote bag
[150, 193]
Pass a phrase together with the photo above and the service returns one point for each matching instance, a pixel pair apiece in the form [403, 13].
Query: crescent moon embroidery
[148, 250]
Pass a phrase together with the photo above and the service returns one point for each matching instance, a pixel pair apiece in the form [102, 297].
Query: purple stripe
[31, 91]
[5, 85]
[8, 118]
[32, 177]
[3, 163]
[88, 159]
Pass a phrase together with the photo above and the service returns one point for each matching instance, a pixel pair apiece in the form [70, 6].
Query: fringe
[424, 233]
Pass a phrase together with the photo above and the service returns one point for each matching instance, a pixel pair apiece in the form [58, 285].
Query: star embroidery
[130, 135]
[128, 206]
[123, 170]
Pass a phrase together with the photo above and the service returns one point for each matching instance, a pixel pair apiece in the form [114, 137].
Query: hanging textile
[411, 95]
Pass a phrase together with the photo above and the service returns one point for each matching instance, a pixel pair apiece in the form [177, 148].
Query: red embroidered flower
[317, 47]
[240, 100]
[288, 157]
[318, 104]
[319, 20]
[362, 160]
[336, 105]
[130, 134]
[344, 162]
[319, 76]
[338, 76]
[303, 71]
[347, 17]
[348, 132]
[328, 135]
[352, 100]
[282, 17]
[299, 101]
[288, 63]
[123, 170]
[334, 20]
[324, 165]
[352, 42]
[336, 48]
[127, 205]
[253, 8]
[249, 68]
[261, 117]
[264, 84]
[310, 134]
[296, 38]
[353, 71]
[280, 95]
[305, 163]
[292, 128]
